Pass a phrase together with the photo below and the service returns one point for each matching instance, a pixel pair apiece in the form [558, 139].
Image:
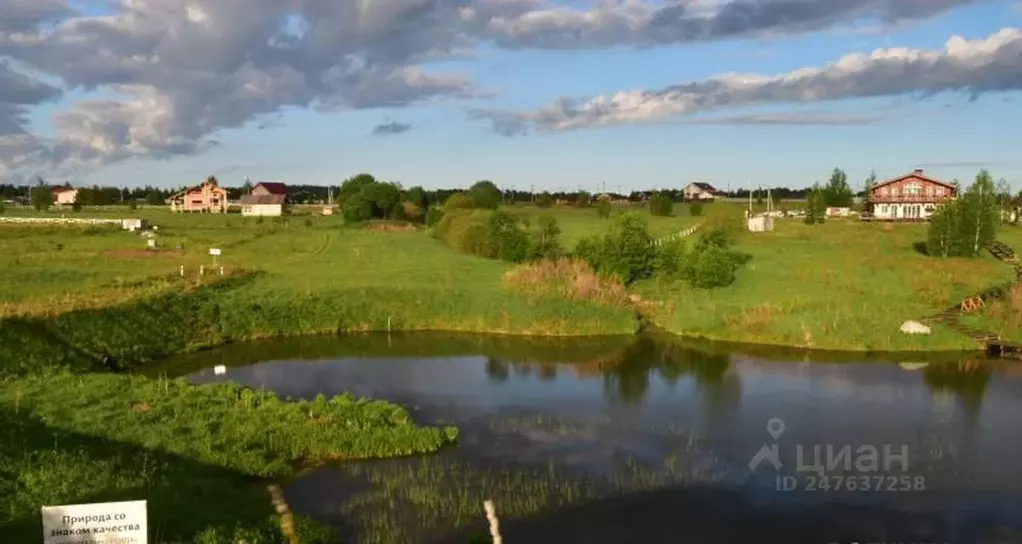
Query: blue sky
[948, 134]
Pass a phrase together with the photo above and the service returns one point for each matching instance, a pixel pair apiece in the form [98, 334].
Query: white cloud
[189, 68]
[975, 67]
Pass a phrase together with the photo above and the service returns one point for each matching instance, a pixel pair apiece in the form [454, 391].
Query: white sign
[98, 523]
[214, 251]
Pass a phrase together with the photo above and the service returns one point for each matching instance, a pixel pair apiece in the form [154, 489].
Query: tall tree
[816, 205]
[837, 193]
[42, 196]
[867, 190]
[980, 214]
[941, 236]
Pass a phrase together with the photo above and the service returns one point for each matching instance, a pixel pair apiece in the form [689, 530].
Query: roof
[187, 190]
[248, 200]
[274, 188]
[704, 186]
[918, 174]
[63, 189]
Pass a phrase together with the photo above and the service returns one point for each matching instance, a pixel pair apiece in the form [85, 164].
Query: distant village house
[64, 195]
[266, 199]
[207, 197]
[700, 191]
[911, 197]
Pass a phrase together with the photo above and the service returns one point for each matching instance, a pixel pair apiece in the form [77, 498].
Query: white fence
[60, 220]
[676, 235]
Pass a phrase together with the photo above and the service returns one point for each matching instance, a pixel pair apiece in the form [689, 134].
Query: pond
[644, 439]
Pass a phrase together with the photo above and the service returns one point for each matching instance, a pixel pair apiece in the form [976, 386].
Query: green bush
[356, 209]
[507, 239]
[711, 264]
[459, 201]
[546, 240]
[76, 206]
[695, 209]
[603, 208]
[433, 216]
[544, 200]
[661, 205]
[583, 199]
[627, 251]
[670, 259]
[712, 267]
[485, 195]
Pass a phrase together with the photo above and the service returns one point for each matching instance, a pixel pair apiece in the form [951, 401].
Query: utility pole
[532, 193]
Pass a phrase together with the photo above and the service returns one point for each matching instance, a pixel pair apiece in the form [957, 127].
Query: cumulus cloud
[973, 67]
[185, 69]
[391, 128]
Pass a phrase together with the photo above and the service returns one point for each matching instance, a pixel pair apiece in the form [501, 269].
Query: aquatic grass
[250, 431]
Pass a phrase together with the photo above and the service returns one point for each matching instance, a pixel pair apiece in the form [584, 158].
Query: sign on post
[214, 251]
[99, 523]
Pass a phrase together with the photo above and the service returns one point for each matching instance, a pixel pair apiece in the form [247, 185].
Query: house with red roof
[910, 197]
[267, 198]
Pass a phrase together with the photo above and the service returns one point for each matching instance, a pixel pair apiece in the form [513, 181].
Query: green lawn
[840, 285]
[577, 223]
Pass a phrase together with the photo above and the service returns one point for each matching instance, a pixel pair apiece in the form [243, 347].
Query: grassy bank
[75, 429]
[844, 285]
[199, 455]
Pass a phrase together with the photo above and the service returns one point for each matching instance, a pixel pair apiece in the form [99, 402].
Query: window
[913, 189]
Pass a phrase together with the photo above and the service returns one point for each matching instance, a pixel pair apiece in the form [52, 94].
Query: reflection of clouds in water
[607, 447]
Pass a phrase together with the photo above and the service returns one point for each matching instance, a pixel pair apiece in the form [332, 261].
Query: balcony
[899, 198]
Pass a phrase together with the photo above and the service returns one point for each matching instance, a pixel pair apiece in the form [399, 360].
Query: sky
[532, 94]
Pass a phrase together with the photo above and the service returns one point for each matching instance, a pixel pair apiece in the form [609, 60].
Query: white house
[64, 195]
[700, 191]
[262, 205]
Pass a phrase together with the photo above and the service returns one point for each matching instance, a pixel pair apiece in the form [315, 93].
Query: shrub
[603, 208]
[133, 205]
[485, 195]
[669, 261]
[506, 238]
[356, 208]
[569, 278]
[626, 252]
[695, 209]
[259, 220]
[76, 206]
[583, 200]
[308, 222]
[397, 211]
[458, 201]
[3, 207]
[433, 215]
[661, 205]
[546, 240]
[711, 264]
[712, 267]
[544, 200]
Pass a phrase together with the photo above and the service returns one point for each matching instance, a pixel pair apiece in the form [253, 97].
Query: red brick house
[911, 197]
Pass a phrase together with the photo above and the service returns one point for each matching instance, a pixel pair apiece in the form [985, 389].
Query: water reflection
[548, 424]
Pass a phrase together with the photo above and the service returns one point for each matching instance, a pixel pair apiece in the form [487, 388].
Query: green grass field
[841, 285]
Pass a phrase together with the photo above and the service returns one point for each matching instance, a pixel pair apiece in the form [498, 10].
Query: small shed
[761, 223]
[134, 224]
[262, 205]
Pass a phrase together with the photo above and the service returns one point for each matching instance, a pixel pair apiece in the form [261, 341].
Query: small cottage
[207, 197]
[64, 195]
[700, 191]
[267, 199]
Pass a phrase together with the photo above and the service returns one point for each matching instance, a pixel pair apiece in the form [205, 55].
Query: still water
[637, 439]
